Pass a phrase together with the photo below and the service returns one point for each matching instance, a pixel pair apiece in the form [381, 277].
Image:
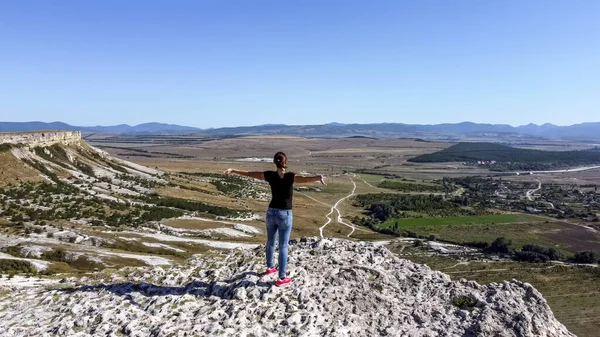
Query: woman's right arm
[257, 175]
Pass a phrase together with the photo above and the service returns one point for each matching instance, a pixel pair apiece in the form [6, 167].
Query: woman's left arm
[301, 179]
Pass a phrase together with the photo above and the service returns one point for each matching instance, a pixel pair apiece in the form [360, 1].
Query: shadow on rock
[234, 288]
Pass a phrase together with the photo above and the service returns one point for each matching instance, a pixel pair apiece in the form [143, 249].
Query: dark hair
[280, 160]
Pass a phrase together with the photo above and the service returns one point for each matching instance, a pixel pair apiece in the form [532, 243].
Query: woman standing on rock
[279, 214]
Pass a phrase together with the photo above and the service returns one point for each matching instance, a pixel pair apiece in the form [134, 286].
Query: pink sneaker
[282, 282]
[271, 271]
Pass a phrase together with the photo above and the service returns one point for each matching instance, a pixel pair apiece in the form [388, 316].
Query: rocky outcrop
[41, 138]
[340, 288]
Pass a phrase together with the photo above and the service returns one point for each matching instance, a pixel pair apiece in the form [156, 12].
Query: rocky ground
[340, 288]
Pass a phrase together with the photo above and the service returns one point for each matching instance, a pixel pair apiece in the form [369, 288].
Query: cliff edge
[340, 288]
[41, 138]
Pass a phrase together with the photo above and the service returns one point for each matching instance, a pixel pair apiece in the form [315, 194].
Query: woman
[279, 214]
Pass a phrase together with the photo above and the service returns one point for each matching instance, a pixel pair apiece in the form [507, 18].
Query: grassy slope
[13, 170]
[520, 233]
[459, 220]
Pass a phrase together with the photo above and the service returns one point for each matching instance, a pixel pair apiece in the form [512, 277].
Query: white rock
[367, 292]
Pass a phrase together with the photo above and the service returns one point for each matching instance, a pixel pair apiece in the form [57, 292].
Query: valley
[92, 207]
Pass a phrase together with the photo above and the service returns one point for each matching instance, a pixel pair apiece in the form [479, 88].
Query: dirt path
[335, 209]
[456, 265]
[313, 199]
[367, 183]
[340, 220]
[458, 192]
[528, 194]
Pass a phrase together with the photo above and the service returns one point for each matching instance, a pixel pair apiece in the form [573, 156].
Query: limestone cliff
[40, 138]
[340, 288]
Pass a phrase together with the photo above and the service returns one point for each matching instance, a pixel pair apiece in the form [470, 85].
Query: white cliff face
[41, 138]
[340, 288]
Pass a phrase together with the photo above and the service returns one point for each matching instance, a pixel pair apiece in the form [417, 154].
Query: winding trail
[339, 218]
[319, 201]
[528, 194]
[454, 266]
[367, 183]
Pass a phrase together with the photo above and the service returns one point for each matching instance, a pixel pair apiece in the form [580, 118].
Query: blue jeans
[278, 220]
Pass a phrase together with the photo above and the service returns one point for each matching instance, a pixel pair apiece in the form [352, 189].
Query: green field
[520, 229]
[459, 220]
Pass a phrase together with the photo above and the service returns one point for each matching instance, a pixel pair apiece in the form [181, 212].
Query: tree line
[474, 152]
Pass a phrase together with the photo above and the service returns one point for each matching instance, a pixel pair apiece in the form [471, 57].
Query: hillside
[474, 152]
[340, 288]
[66, 206]
[62, 157]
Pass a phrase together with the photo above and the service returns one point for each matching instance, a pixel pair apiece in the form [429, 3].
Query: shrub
[12, 250]
[85, 168]
[83, 263]
[478, 244]
[193, 206]
[159, 213]
[533, 257]
[464, 302]
[586, 257]
[499, 246]
[57, 255]
[537, 254]
[381, 211]
[12, 267]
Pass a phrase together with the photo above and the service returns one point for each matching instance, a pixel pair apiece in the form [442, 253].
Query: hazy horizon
[250, 125]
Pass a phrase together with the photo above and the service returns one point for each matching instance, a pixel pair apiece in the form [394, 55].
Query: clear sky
[213, 63]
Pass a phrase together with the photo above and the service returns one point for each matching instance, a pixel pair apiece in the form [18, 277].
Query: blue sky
[228, 63]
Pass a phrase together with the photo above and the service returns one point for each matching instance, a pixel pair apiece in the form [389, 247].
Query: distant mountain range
[121, 128]
[584, 131]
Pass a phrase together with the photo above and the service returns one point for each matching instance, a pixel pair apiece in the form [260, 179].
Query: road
[578, 169]
[334, 208]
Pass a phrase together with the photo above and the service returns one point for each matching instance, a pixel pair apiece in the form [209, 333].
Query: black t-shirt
[282, 189]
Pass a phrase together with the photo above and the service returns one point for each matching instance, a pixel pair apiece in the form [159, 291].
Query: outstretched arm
[257, 175]
[301, 179]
